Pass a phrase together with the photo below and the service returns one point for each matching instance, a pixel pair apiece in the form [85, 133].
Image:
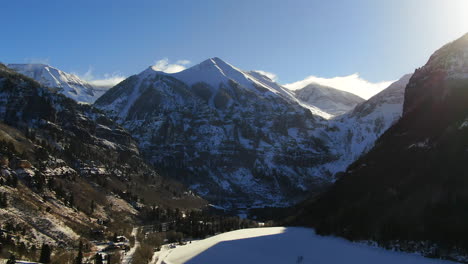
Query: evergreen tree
[12, 181]
[21, 249]
[71, 200]
[79, 258]
[93, 206]
[33, 250]
[50, 184]
[98, 259]
[11, 260]
[3, 200]
[45, 254]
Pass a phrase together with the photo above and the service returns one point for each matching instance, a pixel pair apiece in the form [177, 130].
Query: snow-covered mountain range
[390, 169]
[68, 84]
[238, 136]
[234, 135]
[229, 134]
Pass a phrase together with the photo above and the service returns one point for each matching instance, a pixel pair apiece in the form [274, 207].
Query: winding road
[128, 258]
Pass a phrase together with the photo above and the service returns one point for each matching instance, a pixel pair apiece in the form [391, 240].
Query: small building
[121, 239]
[165, 226]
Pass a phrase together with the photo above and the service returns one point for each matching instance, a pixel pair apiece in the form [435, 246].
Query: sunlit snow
[279, 245]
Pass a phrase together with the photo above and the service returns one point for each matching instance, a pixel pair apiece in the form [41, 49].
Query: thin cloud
[183, 62]
[109, 80]
[45, 61]
[165, 66]
[352, 83]
[270, 75]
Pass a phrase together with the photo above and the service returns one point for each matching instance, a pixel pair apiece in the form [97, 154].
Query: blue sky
[380, 40]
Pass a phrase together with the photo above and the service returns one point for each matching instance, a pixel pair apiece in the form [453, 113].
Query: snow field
[283, 245]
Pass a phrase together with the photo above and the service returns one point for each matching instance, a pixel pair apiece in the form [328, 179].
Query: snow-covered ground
[282, 245]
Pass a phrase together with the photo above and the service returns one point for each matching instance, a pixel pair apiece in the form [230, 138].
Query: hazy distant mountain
[330, 100]
[68, 84]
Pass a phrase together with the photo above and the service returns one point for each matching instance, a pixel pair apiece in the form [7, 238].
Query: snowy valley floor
[281, 245]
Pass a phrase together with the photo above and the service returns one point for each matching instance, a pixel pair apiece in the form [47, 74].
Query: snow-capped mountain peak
[68, 84]
[215, 71]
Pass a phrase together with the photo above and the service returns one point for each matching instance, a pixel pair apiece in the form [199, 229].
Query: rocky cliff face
[450, 63]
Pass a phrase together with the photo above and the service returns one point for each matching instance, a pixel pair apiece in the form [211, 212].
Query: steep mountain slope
[330, 100]
[413, 184]
[64, 166]
[235, 137]
[355, 132]
[266, 81]
[68, 84]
